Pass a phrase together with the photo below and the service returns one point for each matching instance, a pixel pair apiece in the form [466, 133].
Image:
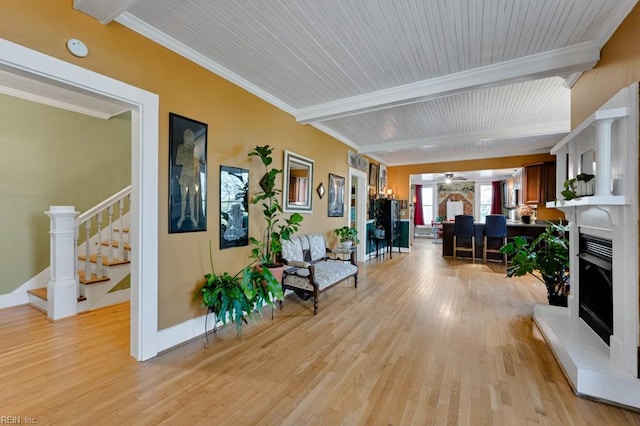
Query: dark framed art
[187, 175]
[234, 207]
[336, 195]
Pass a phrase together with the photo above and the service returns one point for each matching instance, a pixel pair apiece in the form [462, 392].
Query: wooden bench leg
[315, 305]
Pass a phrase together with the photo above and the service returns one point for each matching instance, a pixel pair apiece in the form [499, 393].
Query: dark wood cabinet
[539, 183]
[390, 220]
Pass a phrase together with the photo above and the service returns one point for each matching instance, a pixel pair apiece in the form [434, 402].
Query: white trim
[544, 129]
[361, 208]
[144, 176]
[103, 11]
[579, 57]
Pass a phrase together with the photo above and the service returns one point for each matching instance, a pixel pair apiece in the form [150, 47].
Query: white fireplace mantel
[610, 135]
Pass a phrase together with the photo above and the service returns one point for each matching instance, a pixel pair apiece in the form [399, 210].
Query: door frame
[144, 175]
[361, 178]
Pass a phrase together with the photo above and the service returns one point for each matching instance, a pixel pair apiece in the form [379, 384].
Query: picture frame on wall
[234, 207]
[373, 174]
[187, 174]
[336, 196]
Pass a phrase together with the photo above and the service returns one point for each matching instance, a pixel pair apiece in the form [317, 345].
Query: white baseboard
[19, 296]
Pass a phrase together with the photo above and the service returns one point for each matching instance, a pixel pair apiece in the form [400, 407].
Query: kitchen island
[527, 230]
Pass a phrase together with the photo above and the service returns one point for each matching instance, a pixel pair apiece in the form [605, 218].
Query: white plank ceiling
[405, 81]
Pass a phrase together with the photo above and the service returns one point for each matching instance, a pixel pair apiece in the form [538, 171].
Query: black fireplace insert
[596, 290]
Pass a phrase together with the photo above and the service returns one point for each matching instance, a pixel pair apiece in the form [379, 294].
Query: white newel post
[62, 288]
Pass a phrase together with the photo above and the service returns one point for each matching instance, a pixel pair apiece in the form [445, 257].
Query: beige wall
[237, 121]
[52, 157]
[399, 176]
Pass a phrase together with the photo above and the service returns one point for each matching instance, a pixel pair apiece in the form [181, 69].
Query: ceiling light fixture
[448, 177]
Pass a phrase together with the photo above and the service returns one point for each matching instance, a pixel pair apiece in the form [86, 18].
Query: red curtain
[418, 217]
[496, 198]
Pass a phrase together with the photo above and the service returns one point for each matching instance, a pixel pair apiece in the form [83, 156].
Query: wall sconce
[390, 194]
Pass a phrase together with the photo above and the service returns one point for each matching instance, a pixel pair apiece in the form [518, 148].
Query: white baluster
[76, 235]
[99, 267]
[121, 236]
[129, 226]
[87, 250]
[110, 246]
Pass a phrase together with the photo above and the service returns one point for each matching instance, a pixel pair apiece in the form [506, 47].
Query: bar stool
[495, 227]
[463, 227]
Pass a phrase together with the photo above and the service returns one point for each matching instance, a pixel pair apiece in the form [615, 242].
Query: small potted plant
[277, 228]
[581, 185]
[348, 236]
[546, 258]
[526, 212]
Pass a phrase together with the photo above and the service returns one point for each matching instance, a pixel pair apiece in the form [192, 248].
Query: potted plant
[348, 236]
[546, 258]
[579, 186]
[277, 228]
[526, 212]
[237, 297]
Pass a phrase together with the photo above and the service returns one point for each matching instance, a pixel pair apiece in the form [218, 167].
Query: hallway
[422, 340]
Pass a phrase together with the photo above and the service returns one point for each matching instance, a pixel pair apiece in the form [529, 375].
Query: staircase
[101, 256]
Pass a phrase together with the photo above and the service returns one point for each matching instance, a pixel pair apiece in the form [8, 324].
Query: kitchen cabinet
[539, 183]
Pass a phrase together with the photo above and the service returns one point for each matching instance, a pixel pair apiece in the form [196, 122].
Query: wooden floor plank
[422, 340]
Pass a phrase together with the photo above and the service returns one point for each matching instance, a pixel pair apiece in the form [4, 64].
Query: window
[486, 194]
[427, 204]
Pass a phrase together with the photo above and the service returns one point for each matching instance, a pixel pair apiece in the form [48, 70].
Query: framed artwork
[373, 174]
[187, 175]
[382, 175]
[336, 195]
[320, 190]
[234, 207]
[357, 161]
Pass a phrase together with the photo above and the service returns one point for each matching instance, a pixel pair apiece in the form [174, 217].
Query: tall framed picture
[336, 195]
[187, 175]
[234, 207]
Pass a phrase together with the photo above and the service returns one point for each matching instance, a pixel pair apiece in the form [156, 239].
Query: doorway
[358, 187]
[144, 107]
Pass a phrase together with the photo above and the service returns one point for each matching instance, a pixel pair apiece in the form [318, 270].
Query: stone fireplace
[596, 338]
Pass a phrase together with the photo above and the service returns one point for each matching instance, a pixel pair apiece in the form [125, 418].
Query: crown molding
[141, 27]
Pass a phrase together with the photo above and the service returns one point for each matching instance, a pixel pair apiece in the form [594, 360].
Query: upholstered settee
[312, 267]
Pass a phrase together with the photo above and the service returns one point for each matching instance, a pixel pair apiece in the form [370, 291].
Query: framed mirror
[297, 183]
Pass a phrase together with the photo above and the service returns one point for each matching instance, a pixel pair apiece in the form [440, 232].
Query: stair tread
[39, 292]
[116, 244]
[105, 260]
[93, 280]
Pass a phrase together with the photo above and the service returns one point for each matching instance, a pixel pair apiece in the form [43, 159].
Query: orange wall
[237, 121]
[619, 66]
[399, 177]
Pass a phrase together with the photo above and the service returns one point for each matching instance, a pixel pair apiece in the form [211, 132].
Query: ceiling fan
[450, 177]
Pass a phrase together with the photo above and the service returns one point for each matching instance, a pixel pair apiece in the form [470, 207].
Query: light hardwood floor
[422, 340]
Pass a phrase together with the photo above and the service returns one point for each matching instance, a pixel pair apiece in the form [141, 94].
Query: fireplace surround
[607, 222]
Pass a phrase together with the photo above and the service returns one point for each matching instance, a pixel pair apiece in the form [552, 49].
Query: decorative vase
[378, 233]
[525, 219]
[346, 244]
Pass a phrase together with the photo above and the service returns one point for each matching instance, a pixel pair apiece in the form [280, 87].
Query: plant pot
[378, 233]
[346, 244]
[557, 300]
[525, 219]
[277, 271]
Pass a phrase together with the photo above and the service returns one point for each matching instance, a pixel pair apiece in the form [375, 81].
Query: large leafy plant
[238, 297]
[278, 227]
[546, 258]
